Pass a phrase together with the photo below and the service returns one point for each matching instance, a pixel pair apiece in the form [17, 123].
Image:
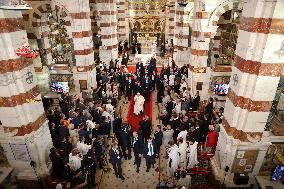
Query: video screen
[59, 87]
[278, 174]
[221, 89]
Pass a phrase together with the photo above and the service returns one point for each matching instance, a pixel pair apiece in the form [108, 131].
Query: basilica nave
[197, 85]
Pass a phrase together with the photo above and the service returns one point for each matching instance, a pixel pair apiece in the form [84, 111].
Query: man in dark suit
[158, 139]
[117, 123]
[99, 151]
[137, 149]
[145, 128]
[115, 160]
[149, 153]
[147, 87]
[129, 87]
[125, 142]
[195, 101]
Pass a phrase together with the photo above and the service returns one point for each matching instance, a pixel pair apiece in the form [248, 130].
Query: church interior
[150, 94]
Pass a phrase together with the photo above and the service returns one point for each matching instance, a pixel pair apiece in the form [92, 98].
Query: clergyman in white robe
[74, 160]
[138, 104]
[182, 149]
[83, 148]
[192, 156]
[173, 160]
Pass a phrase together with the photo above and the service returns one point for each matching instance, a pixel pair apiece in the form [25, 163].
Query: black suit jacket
[145, 128]
[138, 146]
[124, 138]
[146, 149]
[117, 122]
[159, 138]
[114, 157]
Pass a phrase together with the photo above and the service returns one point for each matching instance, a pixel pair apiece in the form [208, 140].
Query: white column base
[35, 146]
[226, 153]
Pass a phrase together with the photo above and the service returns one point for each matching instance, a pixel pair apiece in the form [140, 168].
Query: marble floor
[143, 179]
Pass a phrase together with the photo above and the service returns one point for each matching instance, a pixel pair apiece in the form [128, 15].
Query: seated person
[185, 180]
[138, 104]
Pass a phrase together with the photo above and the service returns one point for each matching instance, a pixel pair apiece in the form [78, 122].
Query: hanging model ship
[16, 5]
[27, 52]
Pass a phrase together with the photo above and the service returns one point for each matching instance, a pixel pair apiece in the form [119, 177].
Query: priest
[138, 104]
[192, 154]
[173, 160]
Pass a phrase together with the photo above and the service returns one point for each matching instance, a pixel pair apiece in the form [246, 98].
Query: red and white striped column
[23, 119]
[199, 72]
[255, 77]
[40, 28]
[82, 36]
[181, 34]
[108, 26]
[170, 16]
[122, 20]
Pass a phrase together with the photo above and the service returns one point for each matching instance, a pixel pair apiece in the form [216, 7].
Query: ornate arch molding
[222, 8]
[37, 19]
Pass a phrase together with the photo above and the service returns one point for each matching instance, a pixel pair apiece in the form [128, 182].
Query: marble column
[255, 77]
[122, 20]
[170, 15]
[181, 34]
[108, 26]
[200, 72]
[24, 133]
[82, 35]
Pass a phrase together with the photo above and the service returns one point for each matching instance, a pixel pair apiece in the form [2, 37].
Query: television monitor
[221, 89]
[278, 173]
[59, 87]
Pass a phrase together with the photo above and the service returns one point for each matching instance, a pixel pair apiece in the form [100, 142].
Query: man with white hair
[138, 104]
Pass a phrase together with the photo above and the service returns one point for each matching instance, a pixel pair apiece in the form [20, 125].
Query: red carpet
[132, 68]
[134, 120]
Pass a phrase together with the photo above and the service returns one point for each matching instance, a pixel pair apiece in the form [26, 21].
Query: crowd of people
[82, 124]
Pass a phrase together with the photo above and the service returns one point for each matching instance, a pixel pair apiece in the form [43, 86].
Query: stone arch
[222, 8]
[38, 11]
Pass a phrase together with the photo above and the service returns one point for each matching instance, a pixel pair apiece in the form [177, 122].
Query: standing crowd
[82, 125]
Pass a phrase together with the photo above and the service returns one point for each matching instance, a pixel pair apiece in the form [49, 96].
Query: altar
[146, 44]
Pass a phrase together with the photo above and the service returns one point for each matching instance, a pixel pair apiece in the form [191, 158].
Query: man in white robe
[74, 160]
[182, 134]
[182, 149]
[173, 160]
[82, 147]
[192, 156]
[138, 104]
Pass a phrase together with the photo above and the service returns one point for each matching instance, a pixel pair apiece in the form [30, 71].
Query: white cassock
[178, 107]
[83, 148]
[192, 156]
[171, 80]
[182, 149]
[182, 135]
[109, 108]
[166, 99]
[74, 162]
[138, 104]
[173, 161]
